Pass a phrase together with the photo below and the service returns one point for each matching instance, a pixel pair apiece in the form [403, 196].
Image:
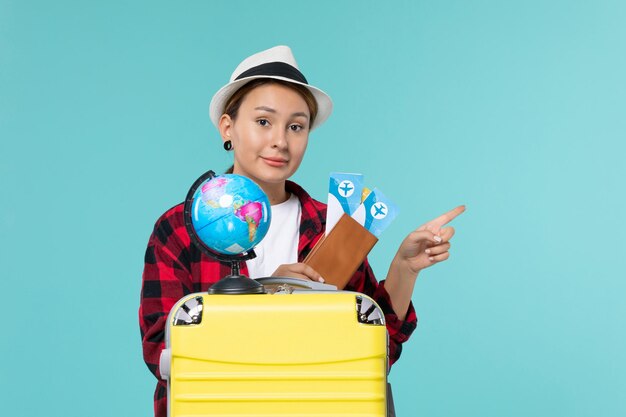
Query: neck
[276, 193]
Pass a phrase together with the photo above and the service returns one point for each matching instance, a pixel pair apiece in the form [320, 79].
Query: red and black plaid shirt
[174, 267]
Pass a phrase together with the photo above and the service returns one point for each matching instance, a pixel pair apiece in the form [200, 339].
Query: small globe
[230, 214]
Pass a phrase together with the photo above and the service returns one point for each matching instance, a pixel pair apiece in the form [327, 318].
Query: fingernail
[427, 251]
[430, 258]
[321, 280]
[437, 239]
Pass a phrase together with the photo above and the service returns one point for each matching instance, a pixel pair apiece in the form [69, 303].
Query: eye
[296, 127]
[263, 122]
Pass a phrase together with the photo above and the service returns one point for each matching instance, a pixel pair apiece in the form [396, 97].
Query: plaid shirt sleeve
[399, 331]
[165, 280]
[173, 268]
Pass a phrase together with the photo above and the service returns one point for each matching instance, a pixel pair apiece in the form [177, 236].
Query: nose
[279, 138]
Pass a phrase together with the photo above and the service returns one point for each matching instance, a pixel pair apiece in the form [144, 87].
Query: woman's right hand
[298, 270]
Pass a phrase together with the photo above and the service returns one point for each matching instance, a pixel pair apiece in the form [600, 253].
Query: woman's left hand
[426, 245]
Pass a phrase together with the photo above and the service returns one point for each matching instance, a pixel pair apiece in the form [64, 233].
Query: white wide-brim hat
[278, 63]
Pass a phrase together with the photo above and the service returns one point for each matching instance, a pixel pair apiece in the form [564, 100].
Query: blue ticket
[376, 213]
[344, 196]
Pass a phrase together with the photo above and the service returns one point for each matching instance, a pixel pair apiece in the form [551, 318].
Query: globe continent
[230, 214]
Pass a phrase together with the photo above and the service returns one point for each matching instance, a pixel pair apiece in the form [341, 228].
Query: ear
[225, 126]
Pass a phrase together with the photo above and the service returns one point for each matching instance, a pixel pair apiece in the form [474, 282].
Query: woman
[264, 115]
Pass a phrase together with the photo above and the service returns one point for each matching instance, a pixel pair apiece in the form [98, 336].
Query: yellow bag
[295, 352]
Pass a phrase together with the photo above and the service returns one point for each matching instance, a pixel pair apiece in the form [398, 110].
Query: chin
[274, 175]
[271, 175]
[274, 179]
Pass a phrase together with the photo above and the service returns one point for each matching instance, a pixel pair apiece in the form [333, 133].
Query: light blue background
[515, 108]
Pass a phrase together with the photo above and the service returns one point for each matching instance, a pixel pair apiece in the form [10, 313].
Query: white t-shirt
[280, 244]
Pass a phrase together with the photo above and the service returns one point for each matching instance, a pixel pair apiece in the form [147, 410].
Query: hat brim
[216, 108]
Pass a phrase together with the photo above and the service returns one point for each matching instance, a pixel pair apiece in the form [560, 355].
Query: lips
[274, 161]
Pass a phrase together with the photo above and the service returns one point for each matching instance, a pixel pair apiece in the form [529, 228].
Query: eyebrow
[268, 109]
[271, 110]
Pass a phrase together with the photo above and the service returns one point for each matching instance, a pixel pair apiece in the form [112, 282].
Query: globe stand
[235, 283]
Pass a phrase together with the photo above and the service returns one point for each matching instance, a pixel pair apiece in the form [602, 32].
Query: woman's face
[269, 135]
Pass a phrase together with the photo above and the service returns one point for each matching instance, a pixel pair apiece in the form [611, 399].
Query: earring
[228, 145]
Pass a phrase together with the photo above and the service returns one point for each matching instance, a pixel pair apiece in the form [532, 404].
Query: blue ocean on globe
[230, 214]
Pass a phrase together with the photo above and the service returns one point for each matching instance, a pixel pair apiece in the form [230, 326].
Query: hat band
[275, 69]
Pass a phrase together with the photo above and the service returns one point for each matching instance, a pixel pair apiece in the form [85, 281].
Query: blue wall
[514, 108]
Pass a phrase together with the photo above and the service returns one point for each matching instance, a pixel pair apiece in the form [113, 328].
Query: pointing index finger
[447, 217]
